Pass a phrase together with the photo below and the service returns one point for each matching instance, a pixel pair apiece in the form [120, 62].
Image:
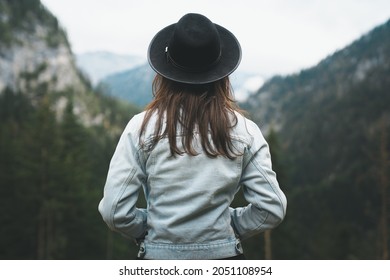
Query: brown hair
[209, 108]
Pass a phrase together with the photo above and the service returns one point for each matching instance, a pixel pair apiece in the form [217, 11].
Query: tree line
[52, 175]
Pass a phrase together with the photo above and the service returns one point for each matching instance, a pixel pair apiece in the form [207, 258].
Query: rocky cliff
[36, 59]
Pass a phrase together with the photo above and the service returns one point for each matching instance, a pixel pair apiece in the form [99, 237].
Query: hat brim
[227, 64]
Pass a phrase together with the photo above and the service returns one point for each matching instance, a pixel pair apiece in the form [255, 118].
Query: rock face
[35, 52]
[32, 58]
[36, 60]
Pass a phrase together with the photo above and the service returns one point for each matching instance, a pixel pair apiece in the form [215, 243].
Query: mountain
[35, 58]
[331, 124]
[32, 45]
[135, 85]
[98, 65]
[57, 136]
[332, 80]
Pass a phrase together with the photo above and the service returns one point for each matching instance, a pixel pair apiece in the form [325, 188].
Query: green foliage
[51, 181]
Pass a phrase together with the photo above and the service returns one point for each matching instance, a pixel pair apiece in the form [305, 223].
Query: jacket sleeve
[124, 181]
[267, 203]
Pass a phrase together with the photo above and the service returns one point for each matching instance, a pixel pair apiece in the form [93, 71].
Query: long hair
[206, 109]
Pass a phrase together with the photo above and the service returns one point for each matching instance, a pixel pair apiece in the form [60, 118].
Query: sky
[276, 37]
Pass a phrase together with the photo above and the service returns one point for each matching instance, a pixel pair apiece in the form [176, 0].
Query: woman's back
[190, 151]
[188, 197]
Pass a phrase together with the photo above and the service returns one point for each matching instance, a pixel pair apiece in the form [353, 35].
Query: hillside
[35, 59]
[133, 85]
[332, 123]
[57, 136]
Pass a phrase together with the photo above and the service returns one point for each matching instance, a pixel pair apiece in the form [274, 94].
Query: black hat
[194, 51]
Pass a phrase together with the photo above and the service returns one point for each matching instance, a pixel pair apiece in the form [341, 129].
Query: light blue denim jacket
[188, 214]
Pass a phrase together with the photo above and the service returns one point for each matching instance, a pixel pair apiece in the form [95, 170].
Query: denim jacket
[188, 214]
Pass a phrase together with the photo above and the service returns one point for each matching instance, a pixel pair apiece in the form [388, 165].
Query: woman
[190, 151]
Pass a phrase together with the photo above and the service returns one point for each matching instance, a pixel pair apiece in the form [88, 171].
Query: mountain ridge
[135, 85]
[100, 64]
[330, 124]
[335, 69]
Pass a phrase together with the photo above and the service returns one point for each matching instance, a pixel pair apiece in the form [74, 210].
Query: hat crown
[195, 44]
[194, 51]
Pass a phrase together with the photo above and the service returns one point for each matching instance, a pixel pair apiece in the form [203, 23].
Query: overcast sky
[277, 37]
